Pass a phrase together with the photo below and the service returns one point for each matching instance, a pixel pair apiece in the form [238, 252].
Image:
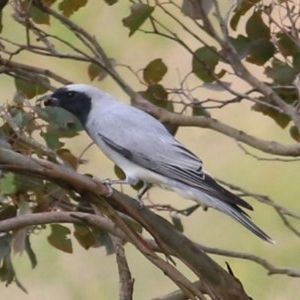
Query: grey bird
[144, 149]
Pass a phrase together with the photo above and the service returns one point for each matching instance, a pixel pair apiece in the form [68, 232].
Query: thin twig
[247, 152]
[125, 279]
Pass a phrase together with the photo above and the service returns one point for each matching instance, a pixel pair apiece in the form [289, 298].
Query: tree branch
[218, 283]
[270, 147]
[97, 221]
[125, 280]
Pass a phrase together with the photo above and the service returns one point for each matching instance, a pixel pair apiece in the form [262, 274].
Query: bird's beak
[48, 100]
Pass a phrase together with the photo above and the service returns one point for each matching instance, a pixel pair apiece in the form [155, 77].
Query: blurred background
[92, 274]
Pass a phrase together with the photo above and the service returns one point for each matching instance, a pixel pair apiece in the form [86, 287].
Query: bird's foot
[141, 193]
[110, 190]
[108, 183]
[141, 204]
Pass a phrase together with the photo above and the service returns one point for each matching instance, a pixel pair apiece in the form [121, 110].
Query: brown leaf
[68, 7]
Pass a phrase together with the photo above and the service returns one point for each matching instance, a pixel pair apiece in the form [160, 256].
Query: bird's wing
[183, 171]
[180, 165]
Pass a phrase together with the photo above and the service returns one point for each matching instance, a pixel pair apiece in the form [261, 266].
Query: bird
[145, 150]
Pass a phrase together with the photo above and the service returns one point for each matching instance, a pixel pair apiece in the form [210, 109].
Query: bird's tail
[239, 215]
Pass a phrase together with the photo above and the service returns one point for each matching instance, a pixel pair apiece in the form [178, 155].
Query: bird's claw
[141, 204]
[108, 183]
[109, 188]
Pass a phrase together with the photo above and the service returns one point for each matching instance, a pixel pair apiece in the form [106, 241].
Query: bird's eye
[71, 94]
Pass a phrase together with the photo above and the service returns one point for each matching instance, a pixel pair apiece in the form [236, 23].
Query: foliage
[253, 46]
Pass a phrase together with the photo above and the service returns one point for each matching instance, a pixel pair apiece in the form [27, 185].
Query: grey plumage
[145, 150]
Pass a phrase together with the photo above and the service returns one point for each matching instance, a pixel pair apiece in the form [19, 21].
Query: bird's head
[75, 98]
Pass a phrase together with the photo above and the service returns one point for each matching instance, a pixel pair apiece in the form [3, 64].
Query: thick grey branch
[21, 221]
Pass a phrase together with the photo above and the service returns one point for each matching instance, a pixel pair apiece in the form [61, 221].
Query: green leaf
[296, 61]
[102, 238]
[95, 71]
[137, 186]
[38, 16]
[18, 117]
[29, 89]
[121, 175]
[5, 134]
[1, 24]
[30, 253]
[196, 9]
[5, 244]
[154, 71]
[48, 2]
[58, 238]
[27, 183]
[7, 184]
[110, 2]
[281, 119]
[139, 13]
[241, 45]
[7, 272]
[204, 62]
[281, 72]
[256, 28]
[60, 119]
[51, 139]
[241, 9]
[69, 7]
[287, 94]
[3, 4]
[84, 236]
[177, 223]
[286, 44]
[198, 110]
[119, 172]
[260, 51]
[67, 156]
[11, 186]
[7, 212]
[294, 132]
[158, 96]
[21, 118]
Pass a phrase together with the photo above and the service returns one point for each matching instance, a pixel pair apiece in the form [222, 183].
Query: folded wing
[179, 164]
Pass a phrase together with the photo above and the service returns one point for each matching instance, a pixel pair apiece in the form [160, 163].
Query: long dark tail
[214, 195]
[241, 217]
